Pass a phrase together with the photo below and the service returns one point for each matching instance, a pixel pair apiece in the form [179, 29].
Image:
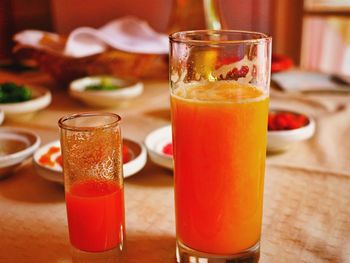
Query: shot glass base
[114, 255]
[185, 254]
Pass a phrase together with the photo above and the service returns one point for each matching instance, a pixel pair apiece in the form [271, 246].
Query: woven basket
[122, 64]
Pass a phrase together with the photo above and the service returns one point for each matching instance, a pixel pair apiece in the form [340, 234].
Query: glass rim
[114, 122]
[177, 37]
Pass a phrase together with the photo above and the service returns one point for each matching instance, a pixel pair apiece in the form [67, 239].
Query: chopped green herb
[101, 87]
[106, 84]
[11, 92]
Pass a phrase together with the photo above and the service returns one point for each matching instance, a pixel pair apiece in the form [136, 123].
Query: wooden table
[306, 210]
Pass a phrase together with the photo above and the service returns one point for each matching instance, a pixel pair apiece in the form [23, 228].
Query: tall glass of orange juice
[219, 85]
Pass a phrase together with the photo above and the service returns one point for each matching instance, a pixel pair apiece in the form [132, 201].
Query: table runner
[307, 193]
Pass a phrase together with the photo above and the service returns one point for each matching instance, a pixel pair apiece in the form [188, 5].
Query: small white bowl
[278, 141]
[155, 142]
[2, 116]
[26, 109]
[138, 158]
[105, 98]
[54, 173]
[16, 145]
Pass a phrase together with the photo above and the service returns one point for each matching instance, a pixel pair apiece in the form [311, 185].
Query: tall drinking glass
[93, 179]
[219, 84]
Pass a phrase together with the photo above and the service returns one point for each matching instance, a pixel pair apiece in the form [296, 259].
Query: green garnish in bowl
[11, 92]
[106, 84]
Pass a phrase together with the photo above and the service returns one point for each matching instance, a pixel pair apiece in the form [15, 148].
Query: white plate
[155, 142]
[105, 98]
[16, 145]
[26, 109]
[138, 161]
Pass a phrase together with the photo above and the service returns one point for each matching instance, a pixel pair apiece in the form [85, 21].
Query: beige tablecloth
[307, 193]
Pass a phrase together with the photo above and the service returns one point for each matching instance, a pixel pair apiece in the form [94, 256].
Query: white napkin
[128, 34]
[299, 80]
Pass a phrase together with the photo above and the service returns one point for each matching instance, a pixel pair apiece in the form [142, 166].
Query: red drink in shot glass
[92, 166]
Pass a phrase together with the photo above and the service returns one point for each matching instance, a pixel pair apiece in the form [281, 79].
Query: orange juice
[219, 139]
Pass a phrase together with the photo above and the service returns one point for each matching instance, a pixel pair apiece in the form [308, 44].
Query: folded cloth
[299, 80]
[127, 34]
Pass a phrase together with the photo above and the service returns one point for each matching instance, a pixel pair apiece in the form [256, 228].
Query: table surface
[307, 189]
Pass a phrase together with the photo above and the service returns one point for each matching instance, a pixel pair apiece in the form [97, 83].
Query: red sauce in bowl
[45, 159]
[281, 121]
[168, 149]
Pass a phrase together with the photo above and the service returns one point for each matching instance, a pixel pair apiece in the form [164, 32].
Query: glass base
[114, 255]
[185, 254]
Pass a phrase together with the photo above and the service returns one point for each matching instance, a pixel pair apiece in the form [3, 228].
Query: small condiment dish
[155, 142]
[16, 145]
[2, 116]
[126, 90]
[26, 109]
[54, 173]
[281, 140]
[138, 157]
[51, 173]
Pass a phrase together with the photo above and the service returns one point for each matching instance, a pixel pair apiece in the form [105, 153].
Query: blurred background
[315, 34]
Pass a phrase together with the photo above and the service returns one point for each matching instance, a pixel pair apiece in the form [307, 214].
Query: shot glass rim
[177, 37]
[113, 123]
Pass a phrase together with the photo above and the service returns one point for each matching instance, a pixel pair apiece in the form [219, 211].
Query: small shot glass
[93, 179]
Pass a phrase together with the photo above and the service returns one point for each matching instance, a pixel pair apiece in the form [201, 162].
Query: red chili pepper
[235, 73]
[278, 121]
[59, 160]
[282, 122]
[46, 160]
[168, 149]
[53, 150]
